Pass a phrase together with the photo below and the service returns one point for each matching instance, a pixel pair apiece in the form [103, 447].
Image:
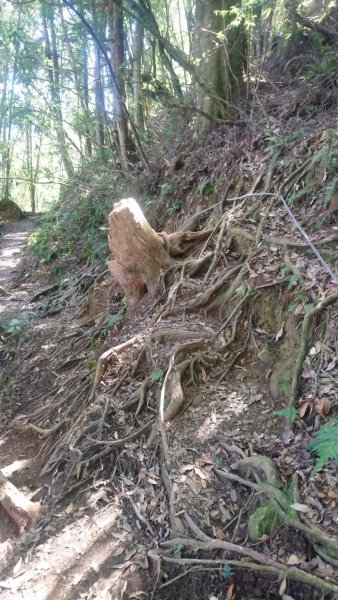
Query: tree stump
[140, 253]
[20, 510]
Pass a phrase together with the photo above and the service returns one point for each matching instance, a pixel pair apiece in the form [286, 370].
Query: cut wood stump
[139, 251]
[20, 510]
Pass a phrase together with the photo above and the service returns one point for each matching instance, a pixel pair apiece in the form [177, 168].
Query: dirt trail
[12, 243]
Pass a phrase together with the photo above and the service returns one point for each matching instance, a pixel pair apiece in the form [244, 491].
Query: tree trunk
[137, 75]
[218, 49]
[53, 72]
[117, 57]
[170, 71]
[81, 94]
[99, 102]
[138, 250]
[29, 165]
[85, 85]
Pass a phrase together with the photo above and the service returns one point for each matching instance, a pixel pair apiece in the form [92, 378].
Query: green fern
[289, 413]
[325, 446]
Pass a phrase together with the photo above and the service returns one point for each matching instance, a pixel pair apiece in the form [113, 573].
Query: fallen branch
[20, 510]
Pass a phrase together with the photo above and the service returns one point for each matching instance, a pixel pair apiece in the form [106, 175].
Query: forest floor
[133, 507]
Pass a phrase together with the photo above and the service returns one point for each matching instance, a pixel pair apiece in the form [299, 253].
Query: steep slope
[156, 431]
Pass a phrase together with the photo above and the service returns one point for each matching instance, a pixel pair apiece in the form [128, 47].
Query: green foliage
[302, 193]
[168, 188]
[329, 191]
[76, 227]
[325, 71]
[91, 364]
[18, 326]
[292, 281]
[156, 376]
[175, 207]
[177, 549]
[227, 571]
[112, 320]
[325, 446]
[289, 413]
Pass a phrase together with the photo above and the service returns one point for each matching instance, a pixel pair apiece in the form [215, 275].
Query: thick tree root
[282, 571]
[304, 343]
[273, 489]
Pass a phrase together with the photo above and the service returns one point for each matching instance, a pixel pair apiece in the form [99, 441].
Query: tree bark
[99, 102]
[53, 72]
[137, 75]
[218, 50]
[117, 57]
[20, 510]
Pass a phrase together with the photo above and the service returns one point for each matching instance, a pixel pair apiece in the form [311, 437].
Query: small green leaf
[156, 375]
[293, 281]
[227, 571]
[308, 307]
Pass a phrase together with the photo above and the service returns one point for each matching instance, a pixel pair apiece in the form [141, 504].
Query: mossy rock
[9, 211]
[264, 521]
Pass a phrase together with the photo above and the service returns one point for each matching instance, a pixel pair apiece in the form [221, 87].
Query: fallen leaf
[118, 552]
[199, 472]
[218, 533]
[282, 587]
[187, 468]
[303, 409]
[294, 559]
[230, 592]
[303, 508]
[69, 509]
[17, 566]
[322, 406]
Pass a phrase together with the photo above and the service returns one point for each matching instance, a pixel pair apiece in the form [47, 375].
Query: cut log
[20, 510]
[140, 253]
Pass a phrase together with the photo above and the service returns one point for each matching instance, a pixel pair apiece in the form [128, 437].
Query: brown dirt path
[12, 243]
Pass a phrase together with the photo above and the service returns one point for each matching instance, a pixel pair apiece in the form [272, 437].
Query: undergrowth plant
[16, 328]
[75, 227]
[325, 446]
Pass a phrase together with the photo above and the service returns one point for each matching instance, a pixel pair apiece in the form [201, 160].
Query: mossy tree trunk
[218, 49]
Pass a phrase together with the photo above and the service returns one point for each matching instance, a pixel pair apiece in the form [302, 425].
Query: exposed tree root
[105, 359]
[304, 343]
[282, 571]
[273, 489]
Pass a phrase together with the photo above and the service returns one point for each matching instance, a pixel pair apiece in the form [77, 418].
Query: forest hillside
[169, 300]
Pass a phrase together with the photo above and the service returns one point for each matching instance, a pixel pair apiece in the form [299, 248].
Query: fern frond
[325, 446]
